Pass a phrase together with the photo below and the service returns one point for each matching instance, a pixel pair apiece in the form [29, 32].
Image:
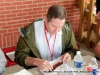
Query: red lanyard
[51, 50]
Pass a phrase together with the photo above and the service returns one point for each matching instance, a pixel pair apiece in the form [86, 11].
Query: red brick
[37, 1]
[18, 36]
[17, 25]
[71, 1]
[75, 23]
[9, 0]
[75, 10]
[72, 20]
[52, 3]
[73, 5]
[67, 5]
[16, 18]
[44, 14]
[70, 8]
[27, 9]
[32, 13]
[12, 40]
[32, 5]
[61, 2]
[4, 4]
[37, 9]
[7, 27]
[42, 11]
[23, 21]
[3, 23]
[2, 16]
[7, 34]
[76, 16]
[8, 41]
[17, 3]
[27, 2]
[70, 14]
[19, 0]
[10, 7]
[5, 12]
[0, 34]
[21, 6]
[5, 20]
[31, 20]
[77, 13]
[2, 1]
[67, 18]
[42, 4]
[12, 30]
[22, 14]
[77, 20]
[4, 42]
[45, 8]
[27, 17]
[17, 33]
[3, 31]
[1, 42]
[12, 22]
[1, 8]
[17, 11]
[47, 1]
[38, 16]
[11, 15]
[15, 40]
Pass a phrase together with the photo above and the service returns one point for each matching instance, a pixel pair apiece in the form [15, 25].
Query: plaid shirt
[3, 62]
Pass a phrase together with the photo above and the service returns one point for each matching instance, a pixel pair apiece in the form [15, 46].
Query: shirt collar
[60, 32]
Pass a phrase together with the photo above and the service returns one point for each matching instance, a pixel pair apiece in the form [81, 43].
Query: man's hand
[66, 57]
[43, 65]
[98, 15]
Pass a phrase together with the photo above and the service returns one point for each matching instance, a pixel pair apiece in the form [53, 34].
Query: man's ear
[46, 19]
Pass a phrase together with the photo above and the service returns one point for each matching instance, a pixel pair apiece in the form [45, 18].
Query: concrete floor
[83, 49]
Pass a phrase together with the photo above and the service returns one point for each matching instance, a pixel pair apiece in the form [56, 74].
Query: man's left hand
[66, 57]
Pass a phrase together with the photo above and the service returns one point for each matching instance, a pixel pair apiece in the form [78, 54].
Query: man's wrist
[29, 61]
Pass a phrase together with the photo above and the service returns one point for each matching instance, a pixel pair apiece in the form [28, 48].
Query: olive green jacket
[26, 45]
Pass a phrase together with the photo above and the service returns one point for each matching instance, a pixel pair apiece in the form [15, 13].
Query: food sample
[56, 65]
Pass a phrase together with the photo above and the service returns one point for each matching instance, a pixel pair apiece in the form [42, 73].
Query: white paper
[23, 72]
[11, 55]
[63, 69]
[54, 61]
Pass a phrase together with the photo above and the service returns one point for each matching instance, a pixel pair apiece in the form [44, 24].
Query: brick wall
[18, 13]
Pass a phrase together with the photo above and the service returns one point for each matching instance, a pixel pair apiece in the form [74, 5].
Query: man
[3, 62]
[45, 40]
[97, 47]
[98, 8]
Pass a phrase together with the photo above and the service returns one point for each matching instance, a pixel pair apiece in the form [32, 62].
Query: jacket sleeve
[70, 42]
[22, 52]
[72, 46]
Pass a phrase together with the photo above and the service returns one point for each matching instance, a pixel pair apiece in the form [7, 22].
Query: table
[86, 59]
